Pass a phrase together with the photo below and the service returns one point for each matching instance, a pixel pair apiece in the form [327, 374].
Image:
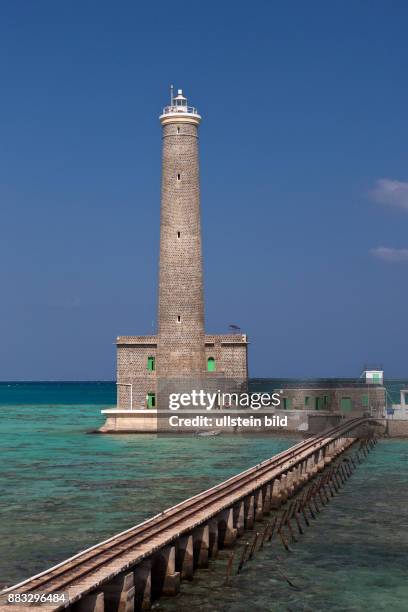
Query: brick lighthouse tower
[181, 355]
[181, 341]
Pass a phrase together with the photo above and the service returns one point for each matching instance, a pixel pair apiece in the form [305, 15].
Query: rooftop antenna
[171, 95]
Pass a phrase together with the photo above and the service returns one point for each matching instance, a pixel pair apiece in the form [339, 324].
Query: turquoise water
[353, 558]
[64, 489]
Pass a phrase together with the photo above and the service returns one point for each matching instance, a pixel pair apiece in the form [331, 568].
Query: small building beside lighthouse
[181, 355]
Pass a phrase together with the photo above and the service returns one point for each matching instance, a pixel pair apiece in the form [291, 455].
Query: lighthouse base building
[181, 357]
[138, 380]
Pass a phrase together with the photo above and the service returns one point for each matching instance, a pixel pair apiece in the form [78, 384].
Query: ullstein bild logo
[228, 421]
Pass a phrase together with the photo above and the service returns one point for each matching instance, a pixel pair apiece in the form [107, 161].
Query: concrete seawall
[395, 428]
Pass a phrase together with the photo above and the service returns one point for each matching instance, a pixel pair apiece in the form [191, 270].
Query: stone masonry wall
[374, 395]
[181, 303]
[230, 352]
[132, 356]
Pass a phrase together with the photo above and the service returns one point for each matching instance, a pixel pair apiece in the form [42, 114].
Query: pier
[128, 571]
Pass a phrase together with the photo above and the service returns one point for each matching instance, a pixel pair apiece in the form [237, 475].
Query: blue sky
[303, 167]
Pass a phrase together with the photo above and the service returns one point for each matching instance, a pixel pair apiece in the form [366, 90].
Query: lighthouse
[181, 356]
[181, 341]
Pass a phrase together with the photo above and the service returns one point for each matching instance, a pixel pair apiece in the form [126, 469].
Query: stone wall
[396, 428]
[180, 346]
[231, 355]
[136, 421]
[318, 422]
[131, 368]
[361, 399]
[229, 351]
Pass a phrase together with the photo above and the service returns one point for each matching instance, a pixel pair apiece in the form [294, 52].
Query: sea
[64, 488]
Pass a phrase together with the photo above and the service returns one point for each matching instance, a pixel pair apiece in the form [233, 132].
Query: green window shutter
[211, 366]
[307, 399]
[326, 400]
[151, 364]
[364, 400]
[317, 403]
[286, 403]
[346, 404]
[151, 400]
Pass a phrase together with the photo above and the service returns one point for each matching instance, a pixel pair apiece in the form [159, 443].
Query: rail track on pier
[94, 566]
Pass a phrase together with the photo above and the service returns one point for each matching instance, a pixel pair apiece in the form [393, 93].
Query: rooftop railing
[167, 110]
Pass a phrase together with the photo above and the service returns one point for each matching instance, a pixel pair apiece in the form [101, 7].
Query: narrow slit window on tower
[179, 176]
[178, 318]
[178, 234]
[178, 130]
